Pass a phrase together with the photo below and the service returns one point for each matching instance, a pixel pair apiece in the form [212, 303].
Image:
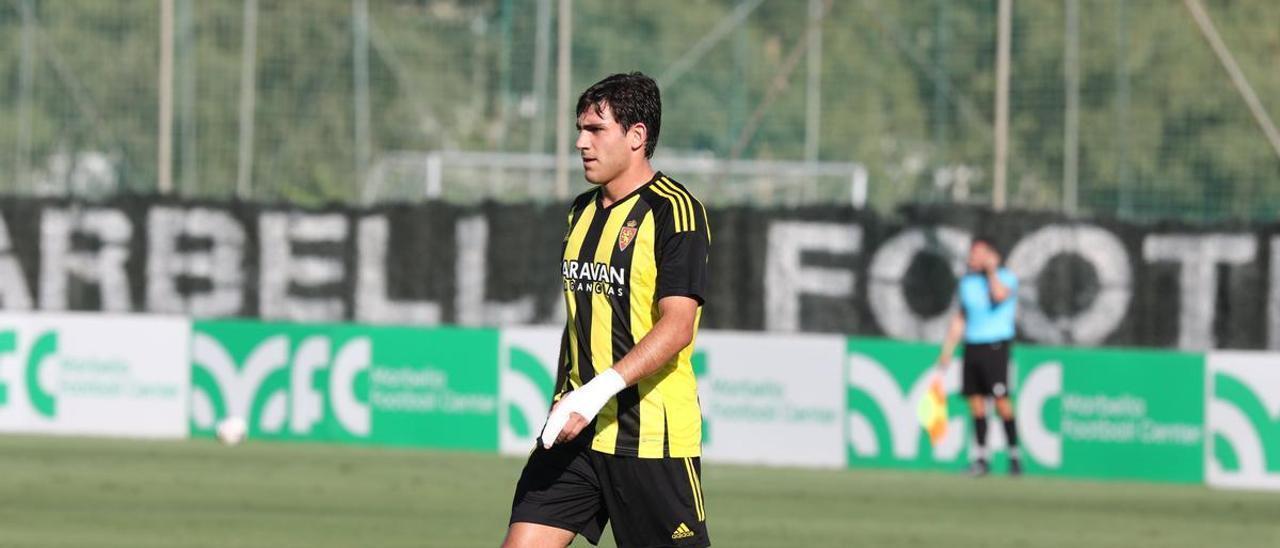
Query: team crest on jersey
[626, 235]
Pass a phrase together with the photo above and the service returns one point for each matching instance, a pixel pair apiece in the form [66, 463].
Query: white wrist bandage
[585, 401]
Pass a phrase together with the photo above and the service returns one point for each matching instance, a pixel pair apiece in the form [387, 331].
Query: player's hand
[576, 409]
[571, 428]
[993, 262]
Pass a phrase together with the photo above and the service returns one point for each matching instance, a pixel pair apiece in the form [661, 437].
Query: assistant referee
[988, 302]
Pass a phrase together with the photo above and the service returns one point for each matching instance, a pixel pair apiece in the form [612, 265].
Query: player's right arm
[999, 291]
[671, 334]
[955, 330]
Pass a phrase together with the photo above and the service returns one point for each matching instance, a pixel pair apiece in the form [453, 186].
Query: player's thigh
[536, 535]
[655, 502]
[559, 488]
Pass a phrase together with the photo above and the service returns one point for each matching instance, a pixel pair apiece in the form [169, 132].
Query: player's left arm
[955, 331]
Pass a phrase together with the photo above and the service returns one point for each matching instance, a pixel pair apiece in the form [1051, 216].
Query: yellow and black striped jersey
[618, 261]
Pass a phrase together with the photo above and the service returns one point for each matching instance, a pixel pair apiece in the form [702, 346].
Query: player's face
[978, 256]
[605, 148]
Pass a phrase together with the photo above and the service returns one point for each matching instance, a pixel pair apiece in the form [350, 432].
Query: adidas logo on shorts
[683, 531]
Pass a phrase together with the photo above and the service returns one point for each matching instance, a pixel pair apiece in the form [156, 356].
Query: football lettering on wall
[1105, 256]
[888, 278]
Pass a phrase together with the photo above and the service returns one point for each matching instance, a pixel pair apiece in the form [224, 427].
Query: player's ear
[637, 134]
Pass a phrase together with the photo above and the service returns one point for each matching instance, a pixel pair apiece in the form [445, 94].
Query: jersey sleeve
[684, 240]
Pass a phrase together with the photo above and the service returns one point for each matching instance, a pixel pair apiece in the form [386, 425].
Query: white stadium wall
[94, 374]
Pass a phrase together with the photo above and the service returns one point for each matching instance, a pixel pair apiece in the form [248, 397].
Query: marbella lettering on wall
[818, 269]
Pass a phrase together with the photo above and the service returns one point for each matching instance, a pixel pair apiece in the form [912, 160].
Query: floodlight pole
[564, 65]
[360, 74]
[164, 156]
[1005, 26]
[1238, 79]
[541, 50]
[185, 80]
[1071, 137]
[248, 91]
[26, 79]
[813, 99]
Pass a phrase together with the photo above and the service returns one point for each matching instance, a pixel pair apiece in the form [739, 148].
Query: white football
[232, 430]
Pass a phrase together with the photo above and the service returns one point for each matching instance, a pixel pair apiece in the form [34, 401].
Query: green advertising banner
[885, 381]
[1084, 413]
[1111, 414]
[424, 387]
[1103, 414]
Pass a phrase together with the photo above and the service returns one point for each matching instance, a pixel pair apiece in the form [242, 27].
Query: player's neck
[626, 183]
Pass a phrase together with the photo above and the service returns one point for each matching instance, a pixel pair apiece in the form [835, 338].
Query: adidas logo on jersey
[683, 531]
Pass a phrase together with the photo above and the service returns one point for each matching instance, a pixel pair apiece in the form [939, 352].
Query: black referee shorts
[986, 369]
[649, 502]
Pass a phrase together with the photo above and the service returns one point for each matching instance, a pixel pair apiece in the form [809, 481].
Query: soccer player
[623, 440]
[988, 301]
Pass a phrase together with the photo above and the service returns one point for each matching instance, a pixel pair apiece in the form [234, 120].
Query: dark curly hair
[988, 241]
[633, 98]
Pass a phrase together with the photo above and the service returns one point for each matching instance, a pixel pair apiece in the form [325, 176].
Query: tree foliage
[906, 90]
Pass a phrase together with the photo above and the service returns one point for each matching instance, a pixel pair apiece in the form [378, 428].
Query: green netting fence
[766, 101]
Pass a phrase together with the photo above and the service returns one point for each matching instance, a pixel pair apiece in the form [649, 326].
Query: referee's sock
[1011, 434]
[980, 436]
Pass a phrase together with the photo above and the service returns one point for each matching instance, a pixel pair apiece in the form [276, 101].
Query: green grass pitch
[136, 494]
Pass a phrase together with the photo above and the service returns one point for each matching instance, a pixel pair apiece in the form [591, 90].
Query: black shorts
[650, 502]
[986, 369]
